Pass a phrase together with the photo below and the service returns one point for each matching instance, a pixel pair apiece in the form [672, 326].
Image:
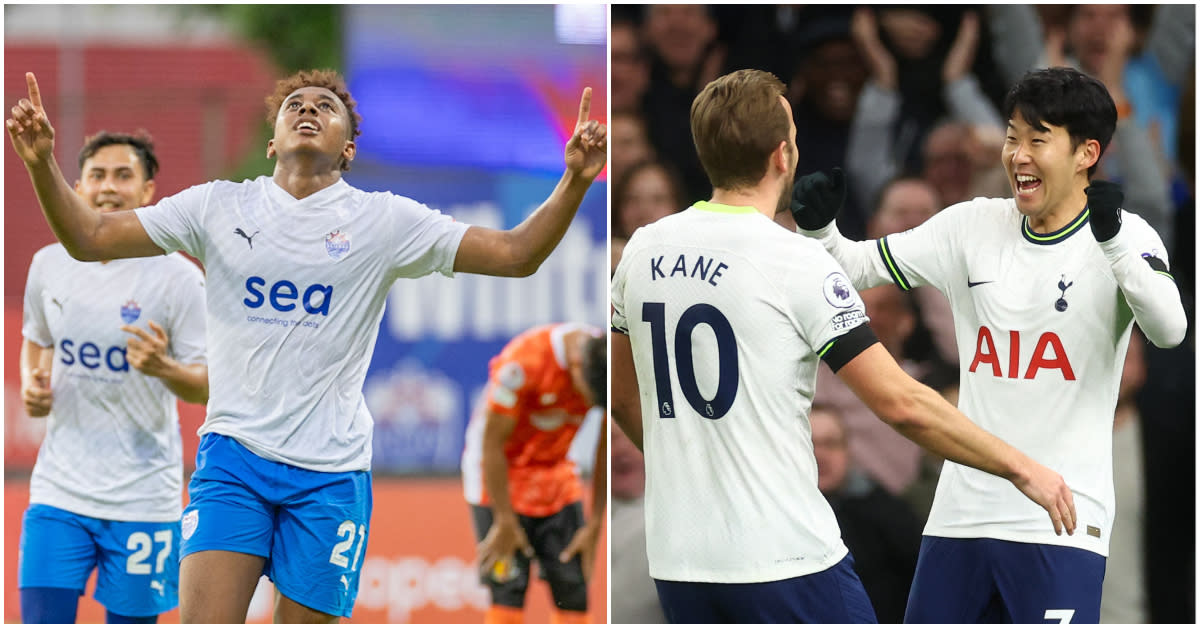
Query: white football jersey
[296, 291]
[727, 314]
[112, 448]
[1042, 328]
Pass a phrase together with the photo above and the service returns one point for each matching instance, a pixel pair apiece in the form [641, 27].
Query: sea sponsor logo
[284, 295]
[92, 356]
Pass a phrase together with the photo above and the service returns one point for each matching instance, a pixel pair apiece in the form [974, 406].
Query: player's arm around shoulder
[1139, 263]
[920, 414]
[520, 251]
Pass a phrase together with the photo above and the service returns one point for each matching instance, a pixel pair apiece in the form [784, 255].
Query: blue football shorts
[138, 561]
[311, 526]
[832, 596]
[993, 581]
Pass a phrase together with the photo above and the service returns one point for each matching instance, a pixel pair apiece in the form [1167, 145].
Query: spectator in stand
[878, 528]
[627, 61]
[648, 191]
[634, 598]
[630, 144]
[686, 57]
[892, 119]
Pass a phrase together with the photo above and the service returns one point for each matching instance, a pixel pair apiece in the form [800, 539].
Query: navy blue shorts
[832, 596]
[311, 526]
[993, 581]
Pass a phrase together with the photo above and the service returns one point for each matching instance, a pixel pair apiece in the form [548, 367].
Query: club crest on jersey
[1061, 303]
[130, 312]
[190, 521]
[837, 290]
[337, 244]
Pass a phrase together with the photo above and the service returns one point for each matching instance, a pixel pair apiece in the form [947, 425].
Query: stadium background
[465, 109]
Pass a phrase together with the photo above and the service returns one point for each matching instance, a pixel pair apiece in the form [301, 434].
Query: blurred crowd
[906, 100]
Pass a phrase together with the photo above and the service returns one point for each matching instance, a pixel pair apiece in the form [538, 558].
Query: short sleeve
[511, 378]
[926, 255]
[824, 302]
[187, 326]
[426, 240]
[175, 223]
[617, 292]
[33, 325]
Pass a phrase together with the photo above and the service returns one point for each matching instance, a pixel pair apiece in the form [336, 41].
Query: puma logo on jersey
[345, 582]
[157, 585]
[1047, 343]
[249, 238]
[55, 301]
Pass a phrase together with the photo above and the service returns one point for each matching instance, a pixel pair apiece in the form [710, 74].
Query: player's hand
[817, 198]
[1051, 492]
[503, 541]
[584, 544]
[1104, 208]
[29, 128]
[587, 151]
[148, 353]
[37, 395]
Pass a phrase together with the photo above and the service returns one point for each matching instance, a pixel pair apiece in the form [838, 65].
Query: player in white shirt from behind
[108, 346]
[299, 265]
[1044, 288]
[721, 318]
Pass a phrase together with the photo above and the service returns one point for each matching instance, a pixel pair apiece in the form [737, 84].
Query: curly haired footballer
[328, 79]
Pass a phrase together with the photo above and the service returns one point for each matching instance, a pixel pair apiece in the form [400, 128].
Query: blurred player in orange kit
[525, 495]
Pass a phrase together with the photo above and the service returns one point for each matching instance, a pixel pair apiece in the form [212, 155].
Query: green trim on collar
[1057, 236]
[706, 206]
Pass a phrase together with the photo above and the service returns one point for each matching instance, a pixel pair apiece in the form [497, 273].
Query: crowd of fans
[905, 99]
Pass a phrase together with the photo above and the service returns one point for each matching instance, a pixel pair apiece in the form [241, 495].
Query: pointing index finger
[585, 105]
[35, 94]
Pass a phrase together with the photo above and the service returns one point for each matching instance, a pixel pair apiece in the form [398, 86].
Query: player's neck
[1060, 215]
[303, 178]
[764, 200]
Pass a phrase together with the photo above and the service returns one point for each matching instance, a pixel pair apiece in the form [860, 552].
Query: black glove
[817, 198]
[1104, 207]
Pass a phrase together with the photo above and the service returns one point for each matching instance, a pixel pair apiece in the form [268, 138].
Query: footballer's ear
[1088, 154]
[270, 148]
[349, 151]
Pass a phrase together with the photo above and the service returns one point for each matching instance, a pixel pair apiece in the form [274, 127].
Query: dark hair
[737, 121]
[595, 369]
[328, 79]
[1068, 98]
[140, 141]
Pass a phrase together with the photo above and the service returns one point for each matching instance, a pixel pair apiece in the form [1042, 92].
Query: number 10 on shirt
[726, 359]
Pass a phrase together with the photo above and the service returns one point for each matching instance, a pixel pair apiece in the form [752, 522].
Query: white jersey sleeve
[426, 240]
[1142, 271]
[33, 325]
[185, 329]
[176, 222]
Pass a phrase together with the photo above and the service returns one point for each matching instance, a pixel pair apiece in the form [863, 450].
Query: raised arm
[816, 200]
[88, 235]
[520, 251]
[921, 415]
[1143, 277]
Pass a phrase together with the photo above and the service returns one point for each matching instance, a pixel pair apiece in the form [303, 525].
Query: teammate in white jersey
[299, 265]
[1042, 314]
[722, 316]
[107, 348]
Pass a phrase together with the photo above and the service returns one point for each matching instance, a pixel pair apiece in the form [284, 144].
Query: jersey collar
[1057, 236]
[706, 206]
